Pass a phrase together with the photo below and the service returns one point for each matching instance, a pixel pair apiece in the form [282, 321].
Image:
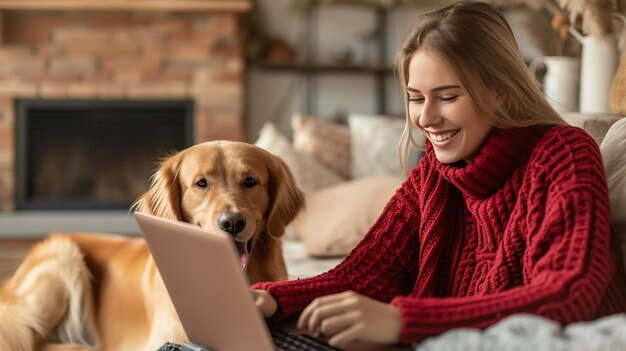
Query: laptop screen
[204, 279]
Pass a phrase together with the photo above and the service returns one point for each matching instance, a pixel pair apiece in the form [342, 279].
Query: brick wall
[121, 55]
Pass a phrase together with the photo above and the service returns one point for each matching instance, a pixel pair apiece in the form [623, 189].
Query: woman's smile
[442, 139]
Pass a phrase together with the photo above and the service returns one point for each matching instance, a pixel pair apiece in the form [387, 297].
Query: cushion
[327, 142]
[374, 145]
[310, 175]
[337, 217]
[613, 150]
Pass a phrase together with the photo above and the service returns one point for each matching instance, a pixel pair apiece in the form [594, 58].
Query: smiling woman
[506, 213]
[443, 110]
[493, 80]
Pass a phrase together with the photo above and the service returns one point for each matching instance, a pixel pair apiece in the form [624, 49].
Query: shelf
[311, 71]
[129, 5]
[324, 68]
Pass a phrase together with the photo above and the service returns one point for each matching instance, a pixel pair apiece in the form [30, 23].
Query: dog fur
[88, 291]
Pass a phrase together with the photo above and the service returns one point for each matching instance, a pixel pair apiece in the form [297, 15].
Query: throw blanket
[524, 332]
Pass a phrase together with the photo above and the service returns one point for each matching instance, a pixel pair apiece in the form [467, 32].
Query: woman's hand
[348, 317]
[265, 302]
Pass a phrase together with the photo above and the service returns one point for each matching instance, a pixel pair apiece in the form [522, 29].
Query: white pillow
[374, 145]
[310, 175]
[613, 150]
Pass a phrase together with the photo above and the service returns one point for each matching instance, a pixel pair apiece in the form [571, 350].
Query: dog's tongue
[243, 254]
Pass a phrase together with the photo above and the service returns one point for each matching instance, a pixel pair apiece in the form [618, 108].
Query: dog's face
[216, 181]
[233, 187]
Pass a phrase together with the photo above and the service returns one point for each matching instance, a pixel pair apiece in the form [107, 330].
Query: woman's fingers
[320, 312]
[303, 321]
[264, 302]
[347, 336]
[337, 323]
[348, 317]
[323, 307]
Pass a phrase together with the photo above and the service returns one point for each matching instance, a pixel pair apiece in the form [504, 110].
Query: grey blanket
[523, 332]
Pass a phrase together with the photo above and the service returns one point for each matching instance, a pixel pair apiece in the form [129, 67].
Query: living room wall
[274, 97]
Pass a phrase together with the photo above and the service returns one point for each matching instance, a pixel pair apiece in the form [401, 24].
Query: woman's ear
[286, 199]
[163, 197]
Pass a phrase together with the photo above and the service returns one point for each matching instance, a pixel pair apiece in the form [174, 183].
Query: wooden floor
[11, 254]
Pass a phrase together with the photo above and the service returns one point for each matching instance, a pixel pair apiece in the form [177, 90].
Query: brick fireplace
[117, 50]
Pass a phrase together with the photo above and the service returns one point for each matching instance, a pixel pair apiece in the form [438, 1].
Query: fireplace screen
[78, 154]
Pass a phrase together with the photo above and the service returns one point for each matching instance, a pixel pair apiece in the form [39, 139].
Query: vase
[599, 60]
[561, 81]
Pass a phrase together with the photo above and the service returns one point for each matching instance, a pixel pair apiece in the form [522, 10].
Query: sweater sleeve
[381, 266]
[567, 262]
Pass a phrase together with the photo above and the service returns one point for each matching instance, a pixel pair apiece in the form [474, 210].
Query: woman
[508, 212]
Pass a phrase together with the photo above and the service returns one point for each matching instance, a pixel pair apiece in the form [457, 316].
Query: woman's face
[441, 107]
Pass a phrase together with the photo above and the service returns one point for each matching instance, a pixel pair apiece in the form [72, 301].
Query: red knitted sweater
[523, 228]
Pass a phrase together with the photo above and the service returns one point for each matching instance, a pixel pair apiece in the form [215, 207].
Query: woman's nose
[429, 115]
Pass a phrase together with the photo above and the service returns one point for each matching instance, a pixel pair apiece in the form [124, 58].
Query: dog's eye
[202, 183]
[250, 182]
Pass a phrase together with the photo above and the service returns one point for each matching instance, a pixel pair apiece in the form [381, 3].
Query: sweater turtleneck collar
[504, 151]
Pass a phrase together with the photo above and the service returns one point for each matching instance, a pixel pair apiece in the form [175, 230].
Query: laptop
[210, 292]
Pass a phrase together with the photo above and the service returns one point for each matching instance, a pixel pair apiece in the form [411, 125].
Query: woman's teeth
[445, 136]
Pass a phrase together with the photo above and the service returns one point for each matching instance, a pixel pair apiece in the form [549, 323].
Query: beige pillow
[327, 142]
[613, 150]
[309, 174]
[336, 218]
[374, 145]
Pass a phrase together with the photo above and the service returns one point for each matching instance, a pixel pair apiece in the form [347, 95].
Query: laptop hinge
[189, 346]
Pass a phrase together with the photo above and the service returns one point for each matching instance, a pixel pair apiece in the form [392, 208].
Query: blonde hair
[480, 48]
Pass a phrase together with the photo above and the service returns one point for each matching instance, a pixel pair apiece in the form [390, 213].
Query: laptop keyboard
[285, 341]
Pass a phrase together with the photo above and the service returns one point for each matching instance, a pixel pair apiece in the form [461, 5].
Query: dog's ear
[163, 197]
[286, 199]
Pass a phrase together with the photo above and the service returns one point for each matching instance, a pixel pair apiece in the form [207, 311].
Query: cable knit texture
[523, 228]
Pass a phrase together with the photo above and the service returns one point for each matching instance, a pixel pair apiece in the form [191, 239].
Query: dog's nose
[232, 222]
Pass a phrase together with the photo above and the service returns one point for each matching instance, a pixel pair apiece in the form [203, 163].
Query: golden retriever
[86, 291]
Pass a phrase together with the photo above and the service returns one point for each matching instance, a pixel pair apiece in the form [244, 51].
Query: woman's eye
[250, 182]
[418, 99]
[202, 183]
[448, 97]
